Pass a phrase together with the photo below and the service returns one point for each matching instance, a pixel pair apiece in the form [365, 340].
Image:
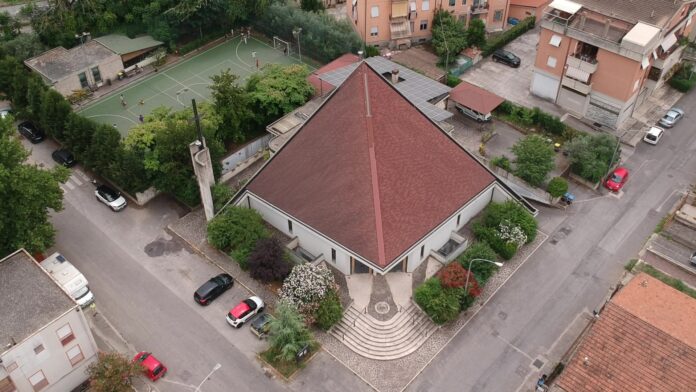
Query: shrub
[512, 212]
[502, 162]
[306, 287]
[267, 261]
[288, 334]
[221, 194]
[452, 80]
[490, 235]
[481, 270]
[557, 187]
[503, 39]
[504, 108]
[442, 305]
[452, 276]
[329, 311]
[112, 372]
[236, 230]
[591, 156]
[681, 85]
[371, 51]
[534, 159]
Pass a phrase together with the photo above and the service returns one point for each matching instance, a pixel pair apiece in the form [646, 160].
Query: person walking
[141, 118]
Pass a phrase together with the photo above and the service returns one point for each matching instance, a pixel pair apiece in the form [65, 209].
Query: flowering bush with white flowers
[306, 286]
[509, 232]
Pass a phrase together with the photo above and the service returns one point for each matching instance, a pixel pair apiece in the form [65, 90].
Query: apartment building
[400, 23]
[45, 342]
[601, 59]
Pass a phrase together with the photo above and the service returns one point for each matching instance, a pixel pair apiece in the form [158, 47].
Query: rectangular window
[38, 381]
[374, 32]
[425, 6]
[290, 226]
[65, 334]
[422, 250]
[555, 40]
[413, 6]
[459, 218]
[452, 3]
[75, 355]
[11, 368]
[333, 255]
[463, 2]
[374, 11]
[498, 15]
[38, 349]
[424, 24]
[551, 62]
[83, 80]
[96, 74]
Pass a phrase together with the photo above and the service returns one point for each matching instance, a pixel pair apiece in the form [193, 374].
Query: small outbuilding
[475, 102]
[86, 66]
[131, 50]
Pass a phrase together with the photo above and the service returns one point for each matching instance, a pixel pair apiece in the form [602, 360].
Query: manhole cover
[538, 363]
[382, 307]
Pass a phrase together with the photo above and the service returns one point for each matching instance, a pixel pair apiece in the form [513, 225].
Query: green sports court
[175, 86]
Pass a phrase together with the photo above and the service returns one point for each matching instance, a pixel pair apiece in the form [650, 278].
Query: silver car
[672, 116]
[110, 197]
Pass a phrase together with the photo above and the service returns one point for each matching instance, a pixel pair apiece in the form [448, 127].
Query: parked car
[64, 157]
[473, 114]
[653, 135]
[110, 197]
[692, 260]
[31, 132]
[244, 311]
[617, 179]
[505, 57]
[261, 325]
[672, 116]
[152, 367]
[213, 289]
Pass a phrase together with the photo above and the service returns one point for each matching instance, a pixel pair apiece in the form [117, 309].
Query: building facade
[600, 60]
[45, 341]
[398, 24]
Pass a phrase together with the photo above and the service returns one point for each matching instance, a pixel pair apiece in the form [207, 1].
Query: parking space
[510, 83]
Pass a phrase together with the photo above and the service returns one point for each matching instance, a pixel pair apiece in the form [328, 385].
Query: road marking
[680, 191]
[77, 180]
[69, 185]
[82, 174]
[514, 347]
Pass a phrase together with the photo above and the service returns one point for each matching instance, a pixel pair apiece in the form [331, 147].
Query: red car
[617, 179]
[244, 311]
[153, 368]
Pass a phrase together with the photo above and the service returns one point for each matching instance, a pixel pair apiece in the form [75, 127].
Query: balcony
[400, 28]
[576, 85]
[479, 8]
[582, 62]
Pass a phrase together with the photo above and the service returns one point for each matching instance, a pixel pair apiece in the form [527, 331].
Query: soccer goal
[283, 46]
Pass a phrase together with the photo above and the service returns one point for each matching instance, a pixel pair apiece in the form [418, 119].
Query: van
[480, 117]
[69, 277]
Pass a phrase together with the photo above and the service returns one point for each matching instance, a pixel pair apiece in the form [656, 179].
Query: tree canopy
[277, 90]
[449, 36]
[232, 104]
[535, 159]
[591, 156]
[112, 372]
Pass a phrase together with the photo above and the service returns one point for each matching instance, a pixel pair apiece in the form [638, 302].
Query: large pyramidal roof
[370, 171]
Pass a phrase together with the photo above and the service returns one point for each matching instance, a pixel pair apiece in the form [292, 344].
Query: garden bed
[287, 368]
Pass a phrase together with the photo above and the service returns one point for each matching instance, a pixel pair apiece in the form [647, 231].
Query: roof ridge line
[376, 202]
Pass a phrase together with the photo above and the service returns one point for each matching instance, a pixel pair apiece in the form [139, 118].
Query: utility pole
[296, 32]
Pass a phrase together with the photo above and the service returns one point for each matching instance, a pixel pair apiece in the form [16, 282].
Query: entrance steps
[384, 340]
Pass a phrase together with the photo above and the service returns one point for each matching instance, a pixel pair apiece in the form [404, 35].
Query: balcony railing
[583, 62]
[479, 8]
[576, 85]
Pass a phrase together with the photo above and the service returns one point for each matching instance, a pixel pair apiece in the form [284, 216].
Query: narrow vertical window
[333, 255]
[290, 226]
[422, 250]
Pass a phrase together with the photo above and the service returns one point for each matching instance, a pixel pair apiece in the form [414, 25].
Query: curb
[208, 258]
[669, 259]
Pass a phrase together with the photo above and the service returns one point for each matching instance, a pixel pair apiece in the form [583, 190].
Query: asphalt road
[143, 282]
[571, 273]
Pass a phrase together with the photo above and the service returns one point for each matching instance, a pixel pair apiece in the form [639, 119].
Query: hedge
[441, 304]
[528, 118]
[503, 39]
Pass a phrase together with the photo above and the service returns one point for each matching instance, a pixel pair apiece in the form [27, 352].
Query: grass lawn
[288, 368]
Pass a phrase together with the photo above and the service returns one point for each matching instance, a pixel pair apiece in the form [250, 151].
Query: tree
[236, 231]
[329, 311]
[449, 36]
[513, 213]
[102, 150]
[112, 372]
[35, 94]
[476, 33]
[29, 194]
[78, 135]
[288, 334]
[535, 159]
[312, 5]
[591, 156]
[306, 286]
[557, 187]
[267, 262]
[441, 304]
[231, 103]
[278, 90]
[54, 113]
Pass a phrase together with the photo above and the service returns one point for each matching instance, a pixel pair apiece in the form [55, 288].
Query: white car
[653, 135]
[110, 197]
[244, 311]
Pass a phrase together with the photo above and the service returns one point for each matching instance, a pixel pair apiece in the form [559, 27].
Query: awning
[669, 41]
[578, 74]
[399, 10]
[555, 40]
[565, 6]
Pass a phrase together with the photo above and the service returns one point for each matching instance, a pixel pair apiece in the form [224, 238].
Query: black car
[213, 289]
[262, 325]
[64, 157]
[31, 132]
[505, 57]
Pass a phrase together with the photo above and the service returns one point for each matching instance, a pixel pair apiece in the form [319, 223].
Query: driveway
[510, 83]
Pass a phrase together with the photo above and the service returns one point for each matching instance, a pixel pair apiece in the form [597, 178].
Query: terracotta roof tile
[474, 97]
[369, 165]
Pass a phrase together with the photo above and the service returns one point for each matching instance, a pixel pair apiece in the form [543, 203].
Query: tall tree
[35, 94]
[112, 372]
[449, 36]
[535, 159]
[278, 89]
[29, 193]
[54, 113]
[476, 33]
[231, 103]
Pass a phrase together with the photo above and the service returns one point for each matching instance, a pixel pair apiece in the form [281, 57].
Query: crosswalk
[77, 179]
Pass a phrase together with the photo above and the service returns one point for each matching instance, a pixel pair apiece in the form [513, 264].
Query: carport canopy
[476, 98]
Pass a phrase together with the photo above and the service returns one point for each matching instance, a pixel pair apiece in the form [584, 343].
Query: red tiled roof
[370, 171]
[474, 97]
[322, 87]
[631, 348]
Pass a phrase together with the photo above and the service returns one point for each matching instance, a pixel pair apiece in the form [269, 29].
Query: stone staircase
[384, 340]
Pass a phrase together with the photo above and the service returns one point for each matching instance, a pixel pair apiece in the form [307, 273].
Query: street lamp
[468, 270]
[82, 37]
[296, 33]
[216, 367]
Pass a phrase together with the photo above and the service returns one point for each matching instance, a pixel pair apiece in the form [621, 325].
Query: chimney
[583, 19]
[395, 76]
[607, 25]
[360, 54]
